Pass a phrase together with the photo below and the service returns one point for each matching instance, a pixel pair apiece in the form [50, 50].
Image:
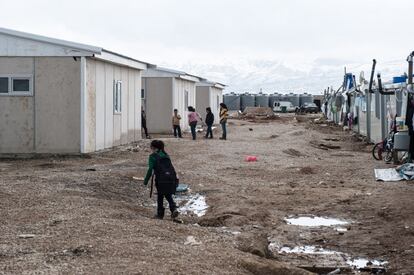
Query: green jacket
[151, 164]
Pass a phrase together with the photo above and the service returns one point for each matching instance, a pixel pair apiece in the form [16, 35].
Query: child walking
[223, 120]
[209, 123]
[165, 178]
[193, 118]
[176, 124]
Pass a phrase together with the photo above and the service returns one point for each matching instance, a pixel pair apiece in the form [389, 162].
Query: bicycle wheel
[404, 158]
[388, 156]
[377, 151]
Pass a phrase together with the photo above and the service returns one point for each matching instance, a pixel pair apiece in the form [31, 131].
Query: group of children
[194, 118]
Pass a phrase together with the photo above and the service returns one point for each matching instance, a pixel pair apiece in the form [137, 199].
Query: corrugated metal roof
[49, 40]
[67, 44]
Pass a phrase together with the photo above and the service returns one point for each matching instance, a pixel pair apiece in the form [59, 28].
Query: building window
[16, 85]
[218, 101]
[4, 85]
[20, 85]
[142, 94]
[186, 99]
[117, 97]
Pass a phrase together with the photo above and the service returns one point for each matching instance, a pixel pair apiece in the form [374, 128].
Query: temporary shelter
[209, 94]
[163, 91]
[63, 97]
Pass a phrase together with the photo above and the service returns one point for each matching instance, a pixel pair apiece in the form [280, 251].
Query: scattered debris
[91, 169]
[324, 146]
[332, 139]
[406, 171]
[78, 251]
[388, 174]
[250, 129]
[181, 188]
[258, 111]
[26, 236]
[138, 178]
[250, 158]
[191, 241]
[293, 152]
[306, 170]
[55, 222]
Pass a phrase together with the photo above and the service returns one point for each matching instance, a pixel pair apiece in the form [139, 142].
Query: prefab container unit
[209, 94]
[62, 97]
[247, 100]
[165, 90]
[232, 101]
[261, 100]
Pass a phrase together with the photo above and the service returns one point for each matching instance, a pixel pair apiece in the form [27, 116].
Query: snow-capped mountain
[275, 76]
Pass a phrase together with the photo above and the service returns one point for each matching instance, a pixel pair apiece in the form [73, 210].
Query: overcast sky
[185, 34]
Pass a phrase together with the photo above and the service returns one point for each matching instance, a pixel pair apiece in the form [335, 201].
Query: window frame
[117, 93]
[186, 99]
[8, 85]
[12, 77]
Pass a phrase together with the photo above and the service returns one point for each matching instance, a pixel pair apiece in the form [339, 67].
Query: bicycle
[384, 150]
[386, 146]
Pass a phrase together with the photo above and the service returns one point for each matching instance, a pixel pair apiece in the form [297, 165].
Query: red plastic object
[251, 158]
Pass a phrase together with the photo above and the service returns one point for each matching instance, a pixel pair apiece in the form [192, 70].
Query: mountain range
[270, 76]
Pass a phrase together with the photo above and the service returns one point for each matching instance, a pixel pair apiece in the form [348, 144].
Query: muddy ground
[87, 215]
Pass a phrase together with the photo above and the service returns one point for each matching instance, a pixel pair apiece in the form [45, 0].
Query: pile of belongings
[406, 171]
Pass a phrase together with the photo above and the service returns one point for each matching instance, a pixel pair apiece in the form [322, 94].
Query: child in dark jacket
[164, 189]
[209, 122]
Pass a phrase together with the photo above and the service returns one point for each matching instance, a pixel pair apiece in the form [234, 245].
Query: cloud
[247, 44]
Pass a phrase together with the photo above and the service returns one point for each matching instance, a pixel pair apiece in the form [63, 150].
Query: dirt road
[88, 215]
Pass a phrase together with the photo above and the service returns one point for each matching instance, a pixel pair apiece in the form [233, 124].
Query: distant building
[63, 97]
[163, 91]
[209, 94]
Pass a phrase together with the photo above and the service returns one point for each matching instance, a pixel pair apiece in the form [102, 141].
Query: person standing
[176, 124]
[193, 118]
[165, 178]
[223, 120]
[144, 123]
[209, 123]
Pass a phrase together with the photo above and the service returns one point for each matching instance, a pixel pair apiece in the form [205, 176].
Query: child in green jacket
[165, 178]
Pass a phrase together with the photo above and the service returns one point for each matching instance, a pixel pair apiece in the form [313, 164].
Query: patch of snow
[314, 221]
[362, 263]
[196, 204]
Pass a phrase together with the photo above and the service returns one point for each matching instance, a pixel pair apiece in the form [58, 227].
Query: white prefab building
[209, 94]
[66, 98]
[163, 91]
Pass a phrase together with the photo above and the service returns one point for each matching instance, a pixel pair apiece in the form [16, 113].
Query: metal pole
[410, 68]
[368, 95]
[368, 102]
